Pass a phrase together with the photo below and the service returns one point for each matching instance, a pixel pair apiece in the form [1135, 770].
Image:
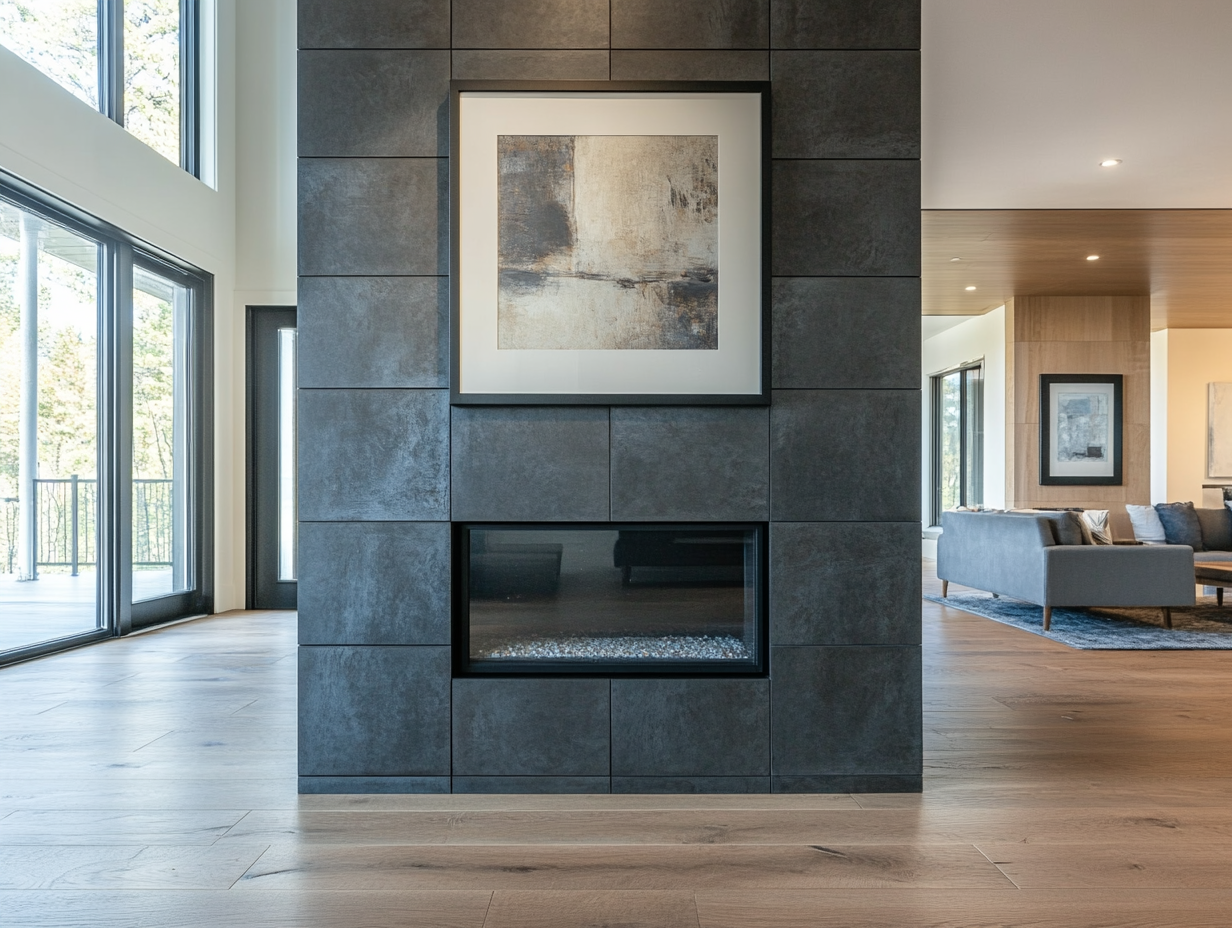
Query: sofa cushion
[1096, 521]
[1147, 527]
[1066, 527]
[1216, 528]
[1181, 525]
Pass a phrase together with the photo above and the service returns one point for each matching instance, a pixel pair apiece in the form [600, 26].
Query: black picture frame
[457, 360]
[1113, 385]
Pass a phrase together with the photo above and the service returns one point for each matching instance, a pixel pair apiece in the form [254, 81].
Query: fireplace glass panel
[614, 598]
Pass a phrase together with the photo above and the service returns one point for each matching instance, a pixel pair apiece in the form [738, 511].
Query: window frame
[935, 389]
[119, 253]
[109, 56]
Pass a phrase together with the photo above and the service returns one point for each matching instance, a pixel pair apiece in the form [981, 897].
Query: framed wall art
[609, 243]
[1080, 429]
[1219, 431]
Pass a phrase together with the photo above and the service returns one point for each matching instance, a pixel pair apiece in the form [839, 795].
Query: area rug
[1204, 627]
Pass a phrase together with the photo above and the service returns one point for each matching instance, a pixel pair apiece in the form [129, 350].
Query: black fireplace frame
[464, 667]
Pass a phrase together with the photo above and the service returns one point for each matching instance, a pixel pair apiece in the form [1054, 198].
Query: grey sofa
[1039, 558]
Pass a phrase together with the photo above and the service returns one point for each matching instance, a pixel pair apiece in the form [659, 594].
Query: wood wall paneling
[1077, 335]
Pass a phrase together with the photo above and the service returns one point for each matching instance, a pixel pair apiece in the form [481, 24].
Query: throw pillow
[1066, 527]
[1147, 527]
[1216, 528]
[1181, 525]
[1096, 521]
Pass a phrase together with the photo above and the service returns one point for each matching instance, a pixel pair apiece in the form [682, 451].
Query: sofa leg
[1047, 617]
[945, 588]
[1167, 617]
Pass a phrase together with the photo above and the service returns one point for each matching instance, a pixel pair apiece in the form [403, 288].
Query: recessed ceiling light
[1092, 257]
[971, 288]
[955, 259]
[1110, 163]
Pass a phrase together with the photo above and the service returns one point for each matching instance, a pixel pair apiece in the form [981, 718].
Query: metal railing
[66, 524]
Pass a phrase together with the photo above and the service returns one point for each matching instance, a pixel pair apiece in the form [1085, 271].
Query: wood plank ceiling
[1181, 257]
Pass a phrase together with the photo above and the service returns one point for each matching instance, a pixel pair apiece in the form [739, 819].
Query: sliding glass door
[103, 430]
[49, 430]
[958, 439]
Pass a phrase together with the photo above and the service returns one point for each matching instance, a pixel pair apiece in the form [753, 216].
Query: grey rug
[1204, 627]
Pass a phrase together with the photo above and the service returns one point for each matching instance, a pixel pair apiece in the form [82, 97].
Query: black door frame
[252, 313]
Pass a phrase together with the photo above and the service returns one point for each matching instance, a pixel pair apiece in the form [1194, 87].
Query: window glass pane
[48, 431]
[59, 37]
[286, 455]
[162, 559]
[152, 74]
[973, 416]
[949, 436]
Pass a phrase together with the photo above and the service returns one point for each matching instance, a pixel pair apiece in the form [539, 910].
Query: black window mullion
[111, 59]
[190, 87]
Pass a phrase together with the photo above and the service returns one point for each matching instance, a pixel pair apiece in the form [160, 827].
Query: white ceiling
[1023, 98]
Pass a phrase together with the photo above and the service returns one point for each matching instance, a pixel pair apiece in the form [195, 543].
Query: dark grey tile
[373, 104]
[356, 785]
[712, 785]
[373, 23]
[530, 23]
[531, 727]
[846, 104]
[374, 582]
[373, 332]
[691, 728]
[690, 463]
[369, 712]
[848, 784]
[852, 710]
[542, 464]
[846, 24]
[844, 583]
[721, 65]
[845, 456]
[384, 216]
[378, 455]
[821, 329]
[530, 65]
[846, 218]
[690, 24]
[531, 785]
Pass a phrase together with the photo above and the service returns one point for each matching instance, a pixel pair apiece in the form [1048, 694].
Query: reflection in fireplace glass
[640, 594]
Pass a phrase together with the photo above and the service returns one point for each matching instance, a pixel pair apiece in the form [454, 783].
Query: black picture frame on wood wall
[588, 262]
[1080, 429]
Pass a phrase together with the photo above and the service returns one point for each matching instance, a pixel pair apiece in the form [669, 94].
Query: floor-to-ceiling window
[103, 436]
[958, 439]
[135, 61]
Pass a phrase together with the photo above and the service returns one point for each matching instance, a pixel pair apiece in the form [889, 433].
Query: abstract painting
[608, 242]
[1080, 429]
[1082, 426]
[1219, 431]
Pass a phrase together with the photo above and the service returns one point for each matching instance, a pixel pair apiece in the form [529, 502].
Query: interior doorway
[272, 491]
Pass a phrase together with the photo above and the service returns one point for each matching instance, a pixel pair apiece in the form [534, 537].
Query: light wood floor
[151, 782]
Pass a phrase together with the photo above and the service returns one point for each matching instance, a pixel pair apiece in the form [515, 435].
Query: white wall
[981, 337]
[1195, 358]
[58, 143]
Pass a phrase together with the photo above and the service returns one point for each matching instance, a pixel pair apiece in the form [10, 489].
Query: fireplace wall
[386, 465]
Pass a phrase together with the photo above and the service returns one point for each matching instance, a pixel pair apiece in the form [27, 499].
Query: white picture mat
[1057, 468]
[1219, 430]
[735, 367]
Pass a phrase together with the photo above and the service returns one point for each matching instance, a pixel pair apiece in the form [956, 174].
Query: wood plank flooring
[151, 782]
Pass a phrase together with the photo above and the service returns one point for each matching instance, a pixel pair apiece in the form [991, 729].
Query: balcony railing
[66, 524]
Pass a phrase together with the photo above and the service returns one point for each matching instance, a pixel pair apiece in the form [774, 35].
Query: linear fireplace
[610, 599]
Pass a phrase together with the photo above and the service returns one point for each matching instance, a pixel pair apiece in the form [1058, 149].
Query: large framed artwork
[609, 243]
[1080, 429]
[1219, 431]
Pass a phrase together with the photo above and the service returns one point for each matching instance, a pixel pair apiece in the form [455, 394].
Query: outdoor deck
[58, 605]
